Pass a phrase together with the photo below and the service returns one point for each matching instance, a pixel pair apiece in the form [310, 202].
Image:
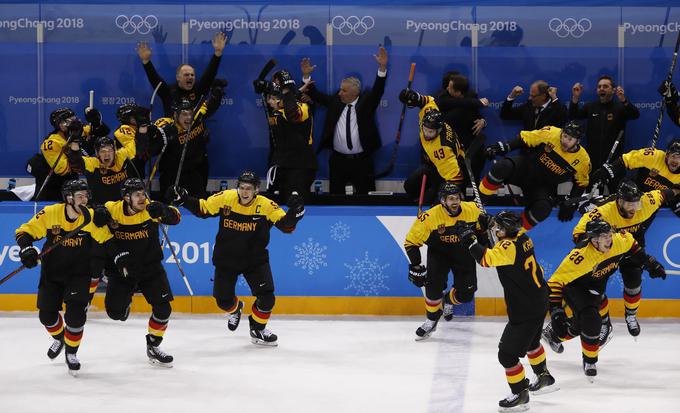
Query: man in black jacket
[605, 118]
[350, 130]
[542, 108]
[186, 87]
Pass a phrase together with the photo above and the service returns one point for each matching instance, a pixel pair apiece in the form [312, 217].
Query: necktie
[348, 127]
[537, 112]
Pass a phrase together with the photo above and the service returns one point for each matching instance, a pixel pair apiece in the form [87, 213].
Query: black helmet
[673, 147]
[281, 76]
[132, 185]
[104, 141]
[72, 186]
[182, 105]
[510, 222]
[248, 177]
[448, 188]
[125, 112]
[597, 227]
[60, 115]
[273, 90]
[628, 192]
[433, 119]
[573, 129]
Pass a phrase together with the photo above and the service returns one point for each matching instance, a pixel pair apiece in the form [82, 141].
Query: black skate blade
[263, 343]
[157, 363]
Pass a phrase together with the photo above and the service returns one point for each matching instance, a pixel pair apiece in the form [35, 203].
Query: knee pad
[506, 359]
[539, 211]
[120, 314]
[48, 318]
[225, 305]
[265, 303]
[76, 314]
[501, 170]
[161, 311]
[465, 296]
[590, 321]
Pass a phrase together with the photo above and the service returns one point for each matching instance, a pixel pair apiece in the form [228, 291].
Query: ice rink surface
[323, 364]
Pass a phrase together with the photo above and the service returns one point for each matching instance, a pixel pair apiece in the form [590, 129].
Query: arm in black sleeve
[413, 254]
[24, 240]
[511, 112]
[154, 79]
[577, 111]
[618, 167]
[209, 74]
[291, 108]
[561, 114]
[477, 251]
[630, 111]
[75, 161]
[673, 111]
[516, 142]
[375, 94]
[318, 97]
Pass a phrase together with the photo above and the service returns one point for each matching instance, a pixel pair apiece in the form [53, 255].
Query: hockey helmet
[132, 185]
[60, 115]
[597, 227]
[628, 192]
[248, 177]
[433, 119]
[72, 186]
[573, 129]
[509, 222]
[125, 112]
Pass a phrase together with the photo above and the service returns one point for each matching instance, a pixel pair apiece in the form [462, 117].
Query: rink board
[348, 260]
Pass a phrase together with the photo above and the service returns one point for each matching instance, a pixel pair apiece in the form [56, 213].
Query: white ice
[323, 364]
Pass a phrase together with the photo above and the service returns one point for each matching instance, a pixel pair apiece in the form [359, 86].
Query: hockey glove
[142, 116]
[261, 86]
[417, 274]
[29, 256]
[498, 148]
[156, 209]
[93, 117]
[176, 195]
[465, 233]
[296, 204]
[654, 268]
[604, 174]
[101, 216]
[217, 89]
[75, 128]
[122, 260]
[566, 212]
[560, 323]
[484, 220]
[668, 91]
[411, 98]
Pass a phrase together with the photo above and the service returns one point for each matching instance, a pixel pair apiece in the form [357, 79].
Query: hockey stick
[165, 139]
[153, 98]
[393, 158]
[86, 220]
[669, 78]
[422, 195]
[587, 197]
[165, 237]
[475, 191]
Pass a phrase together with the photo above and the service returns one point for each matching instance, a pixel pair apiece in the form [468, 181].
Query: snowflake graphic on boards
[310, 256]
[548, 268]
[340, 231]
[366, 276]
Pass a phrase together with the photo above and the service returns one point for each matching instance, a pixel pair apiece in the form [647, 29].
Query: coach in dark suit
[542, 109]
[350, 130]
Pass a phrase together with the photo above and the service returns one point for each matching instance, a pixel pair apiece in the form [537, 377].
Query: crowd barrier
[349, 260]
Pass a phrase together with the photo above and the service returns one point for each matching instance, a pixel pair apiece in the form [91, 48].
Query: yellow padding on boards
[395, 306]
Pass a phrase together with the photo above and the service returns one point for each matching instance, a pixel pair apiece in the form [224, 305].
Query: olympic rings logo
[136, 23]
[570, 27]
[353, 24]
[665, 253]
